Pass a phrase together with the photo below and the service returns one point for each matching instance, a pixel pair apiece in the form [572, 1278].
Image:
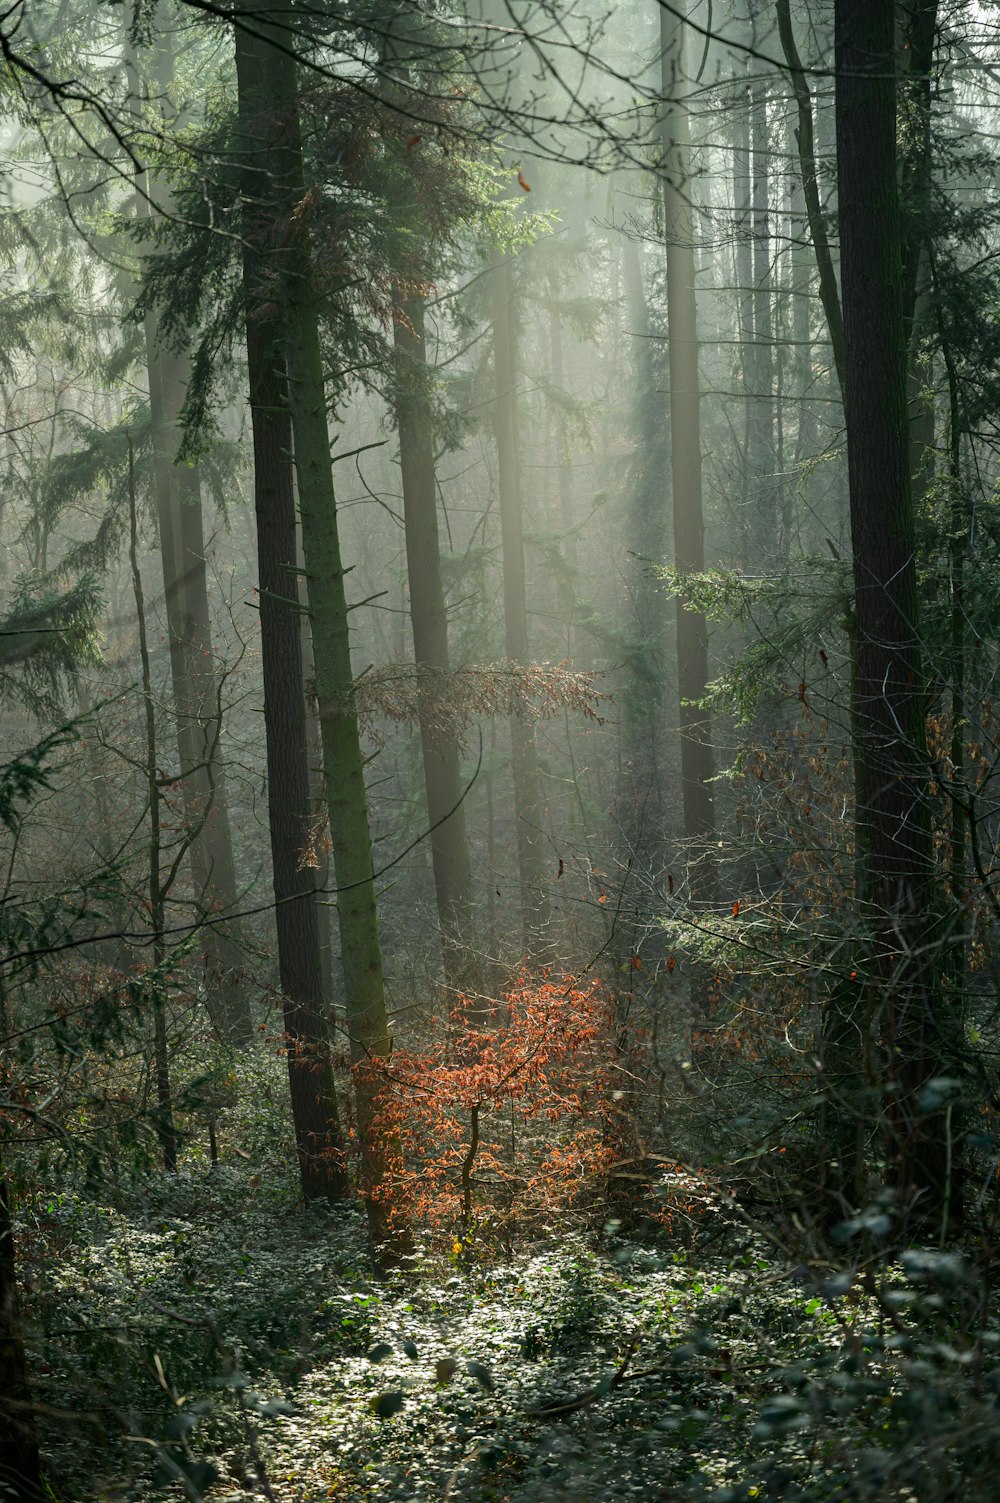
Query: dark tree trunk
[20, 1473]
[893, 823]
[343, 760]
[318, 1137]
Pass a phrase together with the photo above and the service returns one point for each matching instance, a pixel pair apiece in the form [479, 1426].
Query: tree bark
[893, 822]
[343, 762]
[195, 683]
[429, 622]
[524, 759]
[318, 1137]
[641, 800]
[685, 459]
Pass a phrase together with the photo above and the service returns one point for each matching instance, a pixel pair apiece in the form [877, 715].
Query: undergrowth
[207, 1335]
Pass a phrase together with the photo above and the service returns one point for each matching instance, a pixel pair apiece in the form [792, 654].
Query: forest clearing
[499, 820]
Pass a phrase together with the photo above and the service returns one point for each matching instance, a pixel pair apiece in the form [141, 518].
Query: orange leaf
[736, 909]
[602, 897]
[524, 185]
[637, 962]
[671, 964]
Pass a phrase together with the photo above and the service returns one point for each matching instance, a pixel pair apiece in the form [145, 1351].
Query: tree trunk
[429, 621]
[20, 1473]
[318, 1137]
[195, 683]
[641, 802]
[893, 823]
[762, 464]
[524, 760]
[343, 762]
[164, 1119]
[685, 460]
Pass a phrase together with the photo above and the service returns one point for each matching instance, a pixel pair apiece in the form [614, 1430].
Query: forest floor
[206, 1334]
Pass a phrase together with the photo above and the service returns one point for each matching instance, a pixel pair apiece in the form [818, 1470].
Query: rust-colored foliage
[508, 1111]
[449, 702]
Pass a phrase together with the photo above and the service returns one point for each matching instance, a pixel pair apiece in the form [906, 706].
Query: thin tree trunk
[318, 1137]
[524, 760]
[808, 176]
[685, 459]
[743, 270]
[429, 621]
[640, 808]
[165, 1128]
[762, 416]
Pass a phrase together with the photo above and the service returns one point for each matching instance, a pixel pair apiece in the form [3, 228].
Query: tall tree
[343, 761]
[893, 818]
[524, 757]
[685, 453]
[182, 549]
[641, 804]
[429, 621]
[318, 1136]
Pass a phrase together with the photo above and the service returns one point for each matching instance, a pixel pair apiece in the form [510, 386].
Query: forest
[500, 751]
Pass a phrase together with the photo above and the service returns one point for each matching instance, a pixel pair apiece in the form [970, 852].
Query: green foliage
[791, 614]
[46, 635]
[239, 1325]
[30, 774]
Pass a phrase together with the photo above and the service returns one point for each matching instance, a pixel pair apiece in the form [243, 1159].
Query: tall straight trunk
[429, 621]
[640, 804]
[893, 814]
[802, 267]
[318, 1137]
[809, 188]
[563, 455]
[685, 458]
[194, 679]
[524, 760]
[343, 762]
[333, 987]
[743, 273]
[762, 465]
[164, 1117]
